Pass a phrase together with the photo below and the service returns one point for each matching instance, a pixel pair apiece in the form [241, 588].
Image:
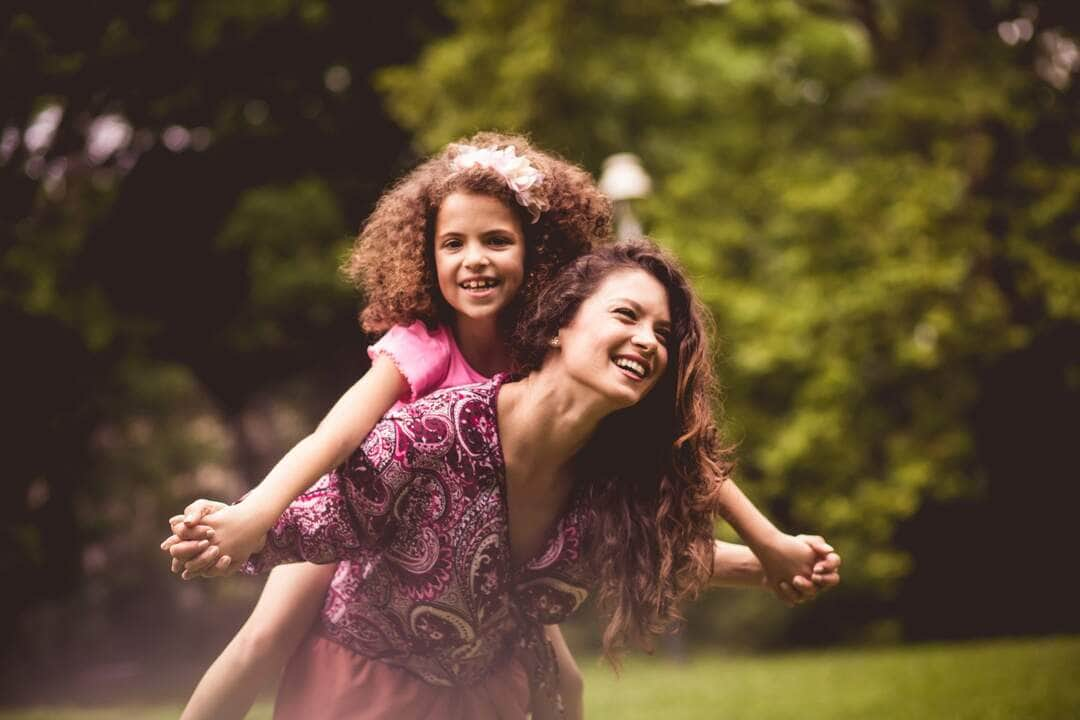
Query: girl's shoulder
[422, 355]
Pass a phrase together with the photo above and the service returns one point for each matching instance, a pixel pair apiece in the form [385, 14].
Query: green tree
[879, 202]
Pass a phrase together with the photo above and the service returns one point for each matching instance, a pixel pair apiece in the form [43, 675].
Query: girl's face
[616, 343]
[479, 254]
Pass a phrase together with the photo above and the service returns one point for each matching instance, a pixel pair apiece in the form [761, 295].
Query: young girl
[482, 513]
[447, 258]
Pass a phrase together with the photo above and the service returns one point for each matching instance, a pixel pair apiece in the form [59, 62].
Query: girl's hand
[796, 568]
[827, 566]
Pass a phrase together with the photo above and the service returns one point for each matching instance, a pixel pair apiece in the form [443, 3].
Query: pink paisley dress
[428, 618]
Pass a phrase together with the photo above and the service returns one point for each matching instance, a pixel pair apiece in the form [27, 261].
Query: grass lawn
[1002, 679]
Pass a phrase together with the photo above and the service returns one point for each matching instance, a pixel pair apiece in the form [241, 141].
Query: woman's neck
[546, 418]
[481, 344]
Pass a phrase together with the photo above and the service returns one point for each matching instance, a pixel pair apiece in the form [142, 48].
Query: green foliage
[293, 239]
[864, 206]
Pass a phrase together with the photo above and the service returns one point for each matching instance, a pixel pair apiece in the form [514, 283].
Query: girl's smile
[479, 254]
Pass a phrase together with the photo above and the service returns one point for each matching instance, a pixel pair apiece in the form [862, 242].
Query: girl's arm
[253, 660]
[239, 530]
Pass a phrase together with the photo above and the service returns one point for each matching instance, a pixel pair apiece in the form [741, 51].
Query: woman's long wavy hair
[652, 471]
[393, 262]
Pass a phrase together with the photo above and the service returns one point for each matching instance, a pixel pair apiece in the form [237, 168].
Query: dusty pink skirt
[325, 681]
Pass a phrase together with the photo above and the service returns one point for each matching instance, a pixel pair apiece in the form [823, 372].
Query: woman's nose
[645, 341]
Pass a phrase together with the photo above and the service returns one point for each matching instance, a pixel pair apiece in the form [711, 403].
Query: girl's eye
[501, 241]
[626, 312]
[452, 243]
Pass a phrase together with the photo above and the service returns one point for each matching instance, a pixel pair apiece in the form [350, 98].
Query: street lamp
[623, 179]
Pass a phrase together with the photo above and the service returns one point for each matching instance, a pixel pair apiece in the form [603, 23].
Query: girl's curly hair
[652, 471]
[392, 260]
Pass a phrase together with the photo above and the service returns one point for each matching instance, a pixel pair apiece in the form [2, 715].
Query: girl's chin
[485, 312]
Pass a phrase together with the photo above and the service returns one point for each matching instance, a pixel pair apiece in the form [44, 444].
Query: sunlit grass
[991, 680]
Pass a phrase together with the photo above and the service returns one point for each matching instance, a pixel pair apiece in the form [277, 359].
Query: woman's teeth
[479, 284]
[631, 365]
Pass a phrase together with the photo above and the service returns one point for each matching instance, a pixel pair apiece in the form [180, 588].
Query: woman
[481, 514]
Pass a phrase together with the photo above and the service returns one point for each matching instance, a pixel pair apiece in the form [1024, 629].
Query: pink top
[429, 360]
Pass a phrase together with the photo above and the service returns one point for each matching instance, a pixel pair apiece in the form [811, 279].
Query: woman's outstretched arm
[788, 561]
[737, 566]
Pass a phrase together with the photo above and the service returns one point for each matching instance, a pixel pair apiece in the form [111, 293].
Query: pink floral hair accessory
[520, 176]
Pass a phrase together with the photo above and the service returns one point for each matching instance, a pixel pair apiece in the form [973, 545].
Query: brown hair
[392, 260]
[653, 471]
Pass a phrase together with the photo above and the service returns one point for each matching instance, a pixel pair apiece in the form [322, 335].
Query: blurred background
[879, 200]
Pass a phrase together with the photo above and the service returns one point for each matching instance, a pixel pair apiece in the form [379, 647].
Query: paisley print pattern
[418, 515]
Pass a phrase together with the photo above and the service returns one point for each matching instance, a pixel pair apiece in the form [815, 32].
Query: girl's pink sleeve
[421, 355]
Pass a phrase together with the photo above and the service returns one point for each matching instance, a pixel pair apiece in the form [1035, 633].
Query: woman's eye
[626, 312]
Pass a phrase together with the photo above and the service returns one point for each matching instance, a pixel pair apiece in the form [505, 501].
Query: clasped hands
[797, 567]
[212, 539]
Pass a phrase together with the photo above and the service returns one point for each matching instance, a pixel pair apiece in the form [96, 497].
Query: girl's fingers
[221, 567]
[817, 544]
[192, 532]
[199, 509]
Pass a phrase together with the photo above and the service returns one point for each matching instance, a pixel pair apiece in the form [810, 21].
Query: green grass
[992, 680]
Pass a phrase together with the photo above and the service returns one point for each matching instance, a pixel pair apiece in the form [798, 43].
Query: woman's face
[479, 254]
[616, 343]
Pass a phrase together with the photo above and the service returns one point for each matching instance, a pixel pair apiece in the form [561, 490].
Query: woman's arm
[738, 566]
[787, 561]
[735, 566]
[239, 530]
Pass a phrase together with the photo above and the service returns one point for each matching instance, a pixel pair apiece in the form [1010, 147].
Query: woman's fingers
[186, 550]
[205, 561]
[220, 568]
[787, 593]
[805, 587]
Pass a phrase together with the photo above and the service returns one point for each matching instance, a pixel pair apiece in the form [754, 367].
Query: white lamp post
[623, 179]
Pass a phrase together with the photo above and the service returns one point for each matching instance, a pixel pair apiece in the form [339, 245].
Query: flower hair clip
[520, 176]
